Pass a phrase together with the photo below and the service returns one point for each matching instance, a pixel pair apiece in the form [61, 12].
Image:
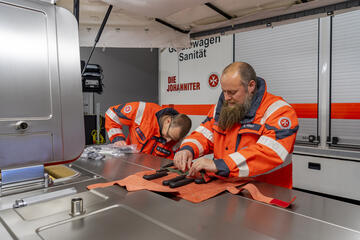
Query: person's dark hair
[183, 121]
[245, 70]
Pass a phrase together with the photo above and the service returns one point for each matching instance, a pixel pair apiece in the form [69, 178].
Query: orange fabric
[257, 195]
[254, 191]
[192, 192]
[135, 183]
[143, 134]
[267, 161]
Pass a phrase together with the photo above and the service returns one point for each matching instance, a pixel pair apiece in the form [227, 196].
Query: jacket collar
[249, 117]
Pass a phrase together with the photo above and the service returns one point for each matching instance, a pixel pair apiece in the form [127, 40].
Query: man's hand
[182, 159]
[120, 143]
[202, 164]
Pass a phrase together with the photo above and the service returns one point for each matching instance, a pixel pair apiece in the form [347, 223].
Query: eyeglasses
[169, 136]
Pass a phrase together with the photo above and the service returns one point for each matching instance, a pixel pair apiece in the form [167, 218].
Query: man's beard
[230, 115]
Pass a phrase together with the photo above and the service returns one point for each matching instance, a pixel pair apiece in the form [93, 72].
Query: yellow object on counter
[60, 171]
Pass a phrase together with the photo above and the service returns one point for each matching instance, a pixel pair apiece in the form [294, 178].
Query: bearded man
[250, 132]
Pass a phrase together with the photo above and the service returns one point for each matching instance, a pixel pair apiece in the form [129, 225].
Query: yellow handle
[94, 136]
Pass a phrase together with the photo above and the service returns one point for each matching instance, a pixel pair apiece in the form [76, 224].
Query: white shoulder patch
[284, 123]
[127, 109]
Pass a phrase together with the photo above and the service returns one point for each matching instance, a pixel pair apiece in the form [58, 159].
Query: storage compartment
[327, 175]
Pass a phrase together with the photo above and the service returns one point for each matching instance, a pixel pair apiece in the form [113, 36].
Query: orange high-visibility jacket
[143, 120]
[260, 146]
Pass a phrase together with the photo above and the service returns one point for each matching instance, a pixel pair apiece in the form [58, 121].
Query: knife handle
[175, 179]
[155, 175]
[181, 183]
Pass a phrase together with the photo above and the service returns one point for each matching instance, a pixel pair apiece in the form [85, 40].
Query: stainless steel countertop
[113, 213]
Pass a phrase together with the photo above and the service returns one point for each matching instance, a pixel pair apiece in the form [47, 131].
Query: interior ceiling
[133, 23]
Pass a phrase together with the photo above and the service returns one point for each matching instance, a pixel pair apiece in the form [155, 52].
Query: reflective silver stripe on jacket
[114, 131]
[197, 143]
[140, 112]
[279, 149]
[113, 116]
[206, 133]
[240, 161]
[273, 108]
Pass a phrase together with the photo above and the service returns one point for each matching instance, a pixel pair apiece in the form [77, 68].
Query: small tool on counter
[175, 182]
[182, 182]
[155, 175]
[159, 173]
[175, 179]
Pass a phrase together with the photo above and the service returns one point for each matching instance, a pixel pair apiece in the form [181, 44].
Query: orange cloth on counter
[192, 192]
[257, 195]
[135, 183]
